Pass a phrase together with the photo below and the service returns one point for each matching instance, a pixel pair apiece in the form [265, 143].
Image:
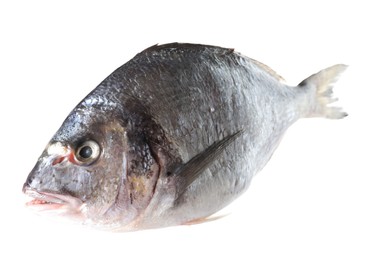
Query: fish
[171, 137]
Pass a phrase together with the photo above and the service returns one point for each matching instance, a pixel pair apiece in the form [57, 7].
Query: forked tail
[321, 86]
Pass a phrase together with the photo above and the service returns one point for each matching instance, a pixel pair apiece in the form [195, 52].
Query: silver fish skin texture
[171, 137]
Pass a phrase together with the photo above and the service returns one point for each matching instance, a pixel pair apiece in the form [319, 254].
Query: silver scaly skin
[171, 137]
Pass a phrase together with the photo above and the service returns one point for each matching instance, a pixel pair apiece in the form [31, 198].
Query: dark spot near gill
[131, 198]
[169, 174]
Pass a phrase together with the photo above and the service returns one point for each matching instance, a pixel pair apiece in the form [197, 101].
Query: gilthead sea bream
[171, 137]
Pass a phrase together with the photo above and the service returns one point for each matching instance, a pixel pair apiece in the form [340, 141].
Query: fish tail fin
[321, 85]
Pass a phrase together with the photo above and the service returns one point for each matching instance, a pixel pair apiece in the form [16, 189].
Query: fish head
[95, 169]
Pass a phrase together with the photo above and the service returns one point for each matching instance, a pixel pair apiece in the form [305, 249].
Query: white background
[312, 201]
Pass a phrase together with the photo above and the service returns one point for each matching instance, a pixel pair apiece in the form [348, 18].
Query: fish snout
[41, 176]
[28, 185]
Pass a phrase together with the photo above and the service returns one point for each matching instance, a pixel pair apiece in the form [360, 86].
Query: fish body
[171, 137]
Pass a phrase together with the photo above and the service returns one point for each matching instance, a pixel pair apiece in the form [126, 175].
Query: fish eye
[87, 152]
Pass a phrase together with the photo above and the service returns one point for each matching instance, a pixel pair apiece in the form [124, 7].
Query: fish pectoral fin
[190, 171]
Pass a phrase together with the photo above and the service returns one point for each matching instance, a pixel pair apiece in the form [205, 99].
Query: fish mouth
[51, 201]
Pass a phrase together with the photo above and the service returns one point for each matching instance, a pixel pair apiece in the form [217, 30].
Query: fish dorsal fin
[268, 70]
[187, 173]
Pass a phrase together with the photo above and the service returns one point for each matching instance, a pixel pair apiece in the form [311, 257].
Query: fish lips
[42, 201]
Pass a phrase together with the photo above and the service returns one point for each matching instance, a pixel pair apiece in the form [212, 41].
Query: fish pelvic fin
[321, 84]
[187, 173]
[203, 220]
